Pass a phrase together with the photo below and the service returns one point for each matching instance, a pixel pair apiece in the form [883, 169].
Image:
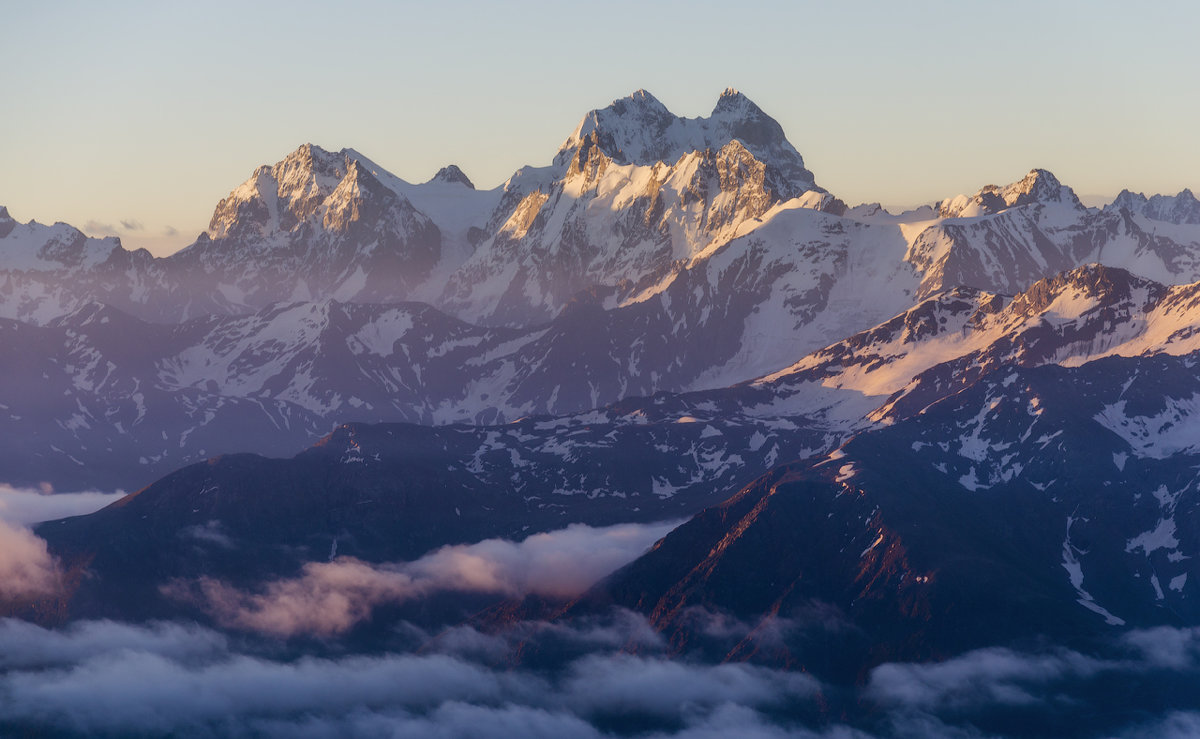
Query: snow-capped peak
[631, 130]
[639, 130]
[643, 97]
[1091, 282]
[1182, 208]
[1039, 186]
[281, 196]
[451, 174]
[314, 159]
[733, 101]
[1127, 200]
[309, 186]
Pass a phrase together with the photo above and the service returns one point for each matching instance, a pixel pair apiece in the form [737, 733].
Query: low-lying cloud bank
[328, 598]
[109, 678]
[25, 507]
[1056, 692]
[27, 569]
[105, 678]
[605, 676]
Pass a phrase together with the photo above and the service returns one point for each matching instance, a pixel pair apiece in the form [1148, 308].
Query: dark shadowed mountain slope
[1046, 502]
[393, 492]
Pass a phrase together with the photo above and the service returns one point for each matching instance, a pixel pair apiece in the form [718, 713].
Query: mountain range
[655, 254]
[969, 424]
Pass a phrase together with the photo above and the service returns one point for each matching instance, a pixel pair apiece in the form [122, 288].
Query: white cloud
[328, 598]
[102, 677]
[25, 507]
[27, 645]
[658, 687]
[983, 677]
[120, 679]
[1178, 725]
[27, 569]
[1166, 647]
[98, 228]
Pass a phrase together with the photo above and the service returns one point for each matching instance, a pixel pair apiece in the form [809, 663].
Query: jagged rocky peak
[1127, 200]
[639, 129]
[4, 216]
[451, 174]
[733, 100]
[276, 197]
[1039, 186]
[748, 123]
[353, 199]
[1093, 282]
[280, 197]
[631, 130]
[1181, 209]
[309, 170]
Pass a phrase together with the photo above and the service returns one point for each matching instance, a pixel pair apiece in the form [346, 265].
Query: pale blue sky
[150, 112]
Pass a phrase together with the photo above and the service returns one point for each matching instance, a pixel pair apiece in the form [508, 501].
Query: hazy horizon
[135, 119]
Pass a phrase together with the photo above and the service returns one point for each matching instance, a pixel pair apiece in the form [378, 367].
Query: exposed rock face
[640, 130]
[316, 224]
[633, 194]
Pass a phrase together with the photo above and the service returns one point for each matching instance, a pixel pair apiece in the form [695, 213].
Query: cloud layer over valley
[107, 678]
[331, 597]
